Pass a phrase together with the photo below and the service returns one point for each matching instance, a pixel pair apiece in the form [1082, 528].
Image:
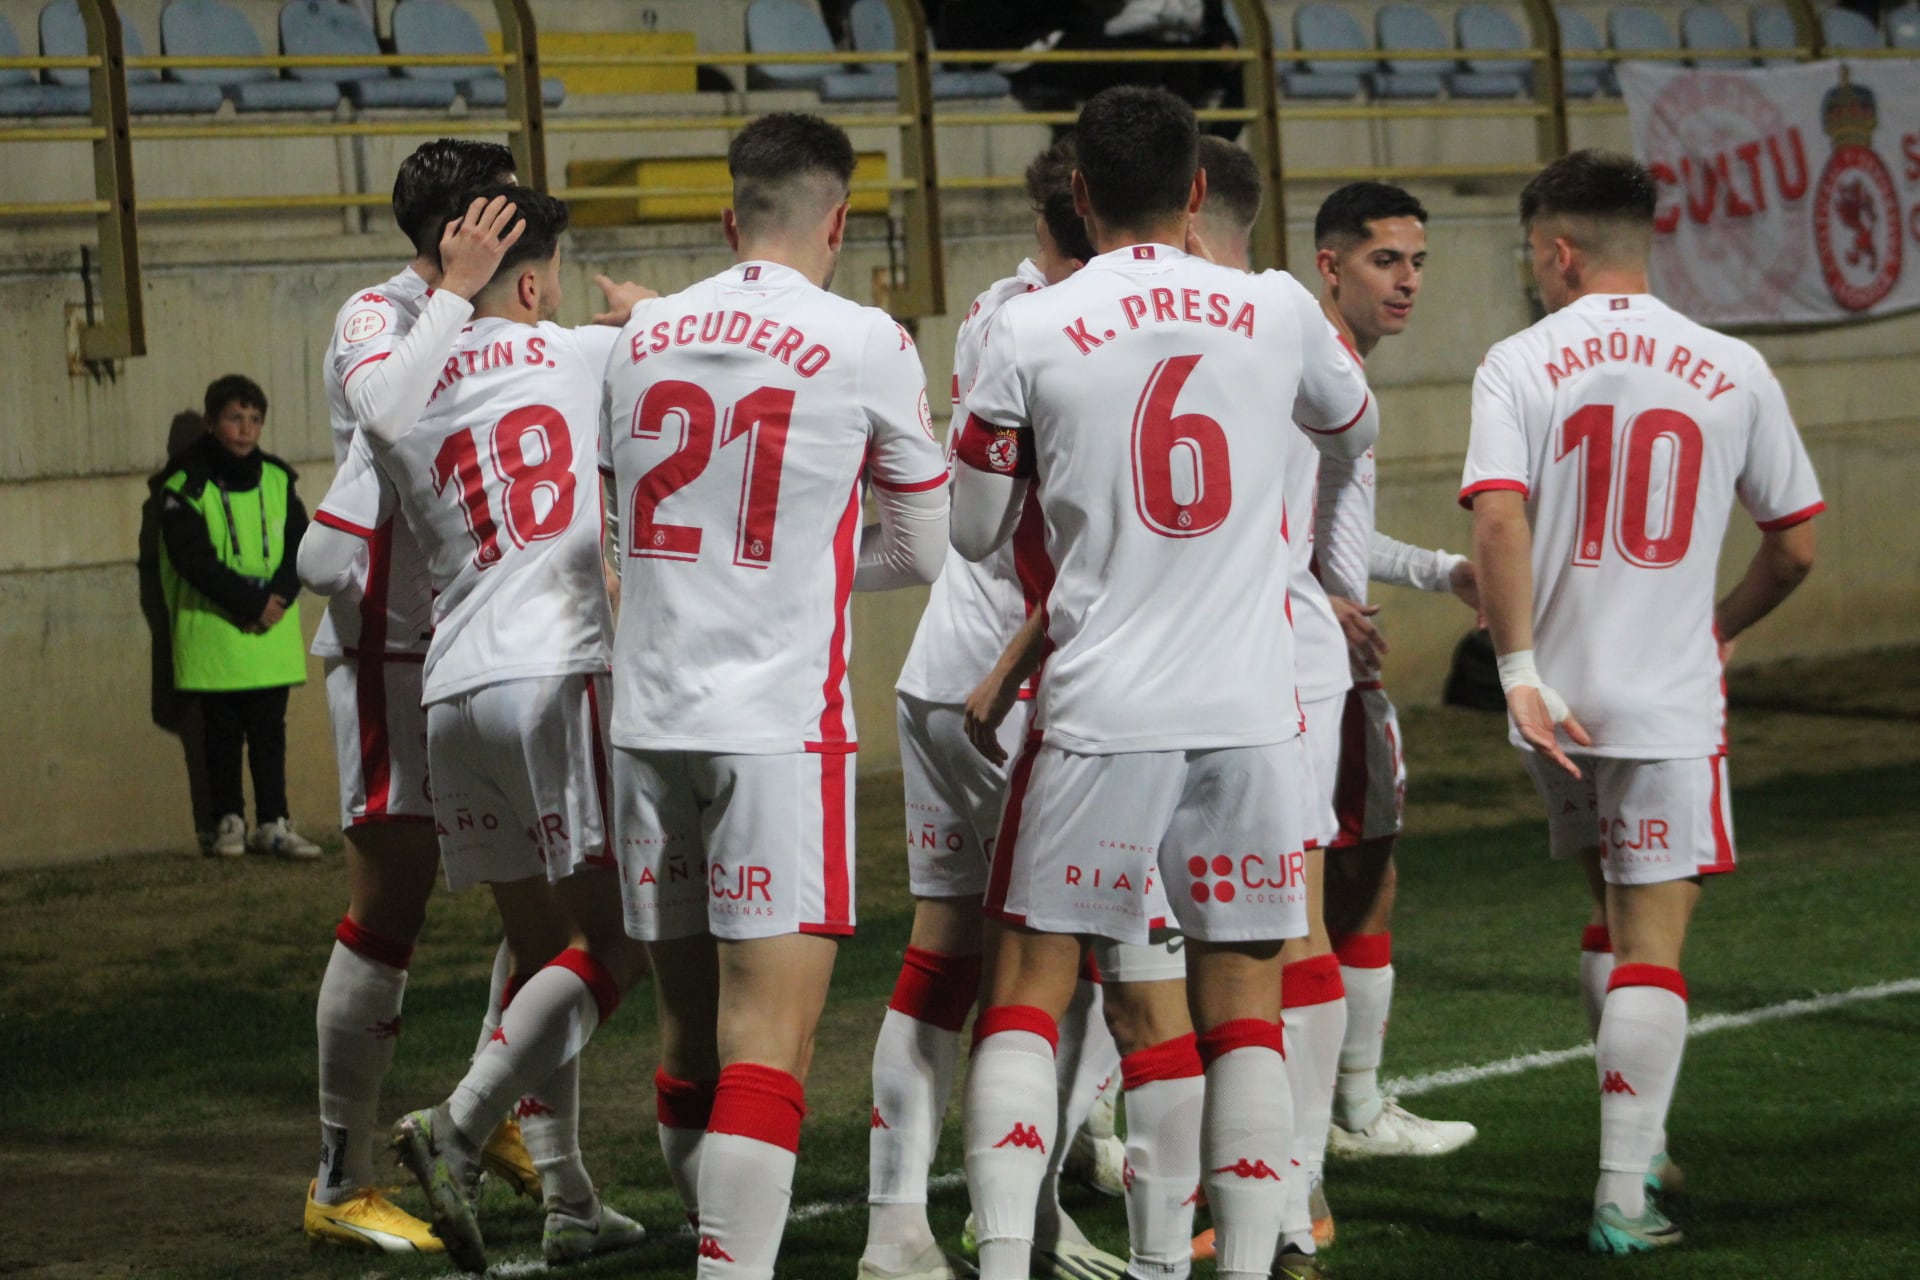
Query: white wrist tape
[1517, 669]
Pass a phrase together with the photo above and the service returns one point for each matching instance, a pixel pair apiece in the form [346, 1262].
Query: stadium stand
[211, 29]
[871, 23]
[22, 95]
[1407, 26]
[1322, 27]
[321, 27]
[1772, 28]
[437, 27]
[1903, 27]
[1633, 28]
[1842, 29]
[1585, 77]
[63, 34]
[1479, 27]
[1702, 27]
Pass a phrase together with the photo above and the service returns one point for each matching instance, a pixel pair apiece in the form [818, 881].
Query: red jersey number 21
[761, 417]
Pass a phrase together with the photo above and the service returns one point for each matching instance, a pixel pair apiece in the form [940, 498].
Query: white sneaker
[932, 1263]
[229, 838]
[1398, 1132]
[280, 839]
[1099, 1164]
[568, 1238]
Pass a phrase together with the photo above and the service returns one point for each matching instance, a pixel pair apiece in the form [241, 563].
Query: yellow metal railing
[119, 331]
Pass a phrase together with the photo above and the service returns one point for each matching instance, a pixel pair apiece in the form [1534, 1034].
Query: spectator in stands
[230, 529]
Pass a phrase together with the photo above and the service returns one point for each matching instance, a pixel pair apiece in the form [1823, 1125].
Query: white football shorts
[1652, 820]
[1322, 742]
[954, 796]
[1370, 795]
[1162, 958]
[379, 740]
[1086, 839]
[736, 846]
[520, 779]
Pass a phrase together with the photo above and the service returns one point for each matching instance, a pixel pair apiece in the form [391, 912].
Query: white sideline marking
[1409, 1087]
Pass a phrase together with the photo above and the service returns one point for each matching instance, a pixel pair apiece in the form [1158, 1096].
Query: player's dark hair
[1344, 215]
[1050, 191]
[1233, 181]
[777, 154]
[1137, 149]
[427, 189]
[546, 218]
[235, 388]
[1591, 183]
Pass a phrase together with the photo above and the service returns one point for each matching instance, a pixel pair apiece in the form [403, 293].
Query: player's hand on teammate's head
[622, 298]
[1365, 643]
[471, 248]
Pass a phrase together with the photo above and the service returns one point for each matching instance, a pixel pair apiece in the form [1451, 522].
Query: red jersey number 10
[761, 416]
[1589, 433]
[526, 481]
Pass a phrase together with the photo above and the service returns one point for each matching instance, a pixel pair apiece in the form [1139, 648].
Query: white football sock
[1316, 1031]
[1596, 967]
[550, 1020]
[1246, 1137]
[1085, 1061]
[1369, 989]
[357, 1022]
[550, 1124]
[1166, 1096]
[496, 997]
[1010, 1118]
[1643, 1033]
[746, 1171]
[683, 1108]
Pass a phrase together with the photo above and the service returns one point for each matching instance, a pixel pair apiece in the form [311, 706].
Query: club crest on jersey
[751, 273]
[1143, 253]
[926, 412]
[1003, 452]
[362, 325]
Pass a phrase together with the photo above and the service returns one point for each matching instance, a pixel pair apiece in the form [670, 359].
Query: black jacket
[192, 551]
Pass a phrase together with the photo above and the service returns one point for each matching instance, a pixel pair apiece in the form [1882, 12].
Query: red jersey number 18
[526, 481]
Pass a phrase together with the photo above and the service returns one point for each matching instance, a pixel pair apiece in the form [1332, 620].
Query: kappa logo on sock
[499, 1036]
[877, 1122]
[1614, 1082]
[710, 1248]
[531, 1106]
[386, 1029]
[1245, 1168]
[1193, 1199]
[1024, 1136]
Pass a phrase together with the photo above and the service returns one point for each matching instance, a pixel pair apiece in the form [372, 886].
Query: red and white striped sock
[1314, 999]
[913, 1064]
[1643, 1032]
[357, 1023]
[1596, 968]
[1245, 1141]
[1166, 1098]
[746, 1171]
[683, 1108]
[1010, 1117]
[548, 1021]
[1366, 972]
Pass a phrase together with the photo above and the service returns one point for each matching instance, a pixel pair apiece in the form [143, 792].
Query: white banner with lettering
[1788, 195]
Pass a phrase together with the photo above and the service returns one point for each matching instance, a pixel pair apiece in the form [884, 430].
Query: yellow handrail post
[1549, 82]
[1806, 28]
[521, 38]
[924, 293]
[121, 330]
[1263, 95]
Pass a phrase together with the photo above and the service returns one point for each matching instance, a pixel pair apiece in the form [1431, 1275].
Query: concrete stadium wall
[98, 764]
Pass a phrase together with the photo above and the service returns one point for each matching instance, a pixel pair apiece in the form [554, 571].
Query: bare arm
[1782, 563]
[1503, 551]
[989, 703]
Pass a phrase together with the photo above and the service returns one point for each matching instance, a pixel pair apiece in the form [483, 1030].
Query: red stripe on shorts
[838, 913]
[1000, 873]
[370, 677]
[599, 749]
[1722, 838]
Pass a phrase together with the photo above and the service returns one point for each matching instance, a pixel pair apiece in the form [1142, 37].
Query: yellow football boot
[505, 1157]
[368, 1220]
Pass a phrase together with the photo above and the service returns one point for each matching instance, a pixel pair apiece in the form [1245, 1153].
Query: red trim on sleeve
[1787, 522]
[1334, 431]
[332, 521]
[348, 377]
[919, 486]
[1472, 491]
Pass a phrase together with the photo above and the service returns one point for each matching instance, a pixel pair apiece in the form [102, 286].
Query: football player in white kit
[496, 479]
[373, 641]
[743, 417]
[1609, 442]
[1168, 719]
[954, 795]
[1371, 249]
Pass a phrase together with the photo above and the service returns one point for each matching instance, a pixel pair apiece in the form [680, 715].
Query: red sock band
[682, 1104]
[1089, 967]
[759, 1103]
[1648, 975]
[1016, 1017]
[1241, 1033]
[1595, 938]
[936, 989]
[606, 992]
[364, 942]
[1176, 1059]
[1312, 981]
[1364, 950]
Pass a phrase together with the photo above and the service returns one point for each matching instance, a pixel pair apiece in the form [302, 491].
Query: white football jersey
[1631, 430]
[974, 609]
[1141, 395]
[389, 608]
[498, 483]
[1320, 646]
[741, 416]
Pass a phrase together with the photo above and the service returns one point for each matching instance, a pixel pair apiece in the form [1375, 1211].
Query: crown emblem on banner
[1849, 113]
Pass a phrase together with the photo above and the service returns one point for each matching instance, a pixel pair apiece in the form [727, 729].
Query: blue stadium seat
[324, 27]
[63, 34]
[792, 26]
[436, 27]
[1634, 28]
[1479, 27]
[1406, 26]
[1705, 28]
[21, 95]
[211, 29]
[872, 24]
[1772, 28]
[1323, 27]
[1903, 27]
[1845, 29]
[1585, 77]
